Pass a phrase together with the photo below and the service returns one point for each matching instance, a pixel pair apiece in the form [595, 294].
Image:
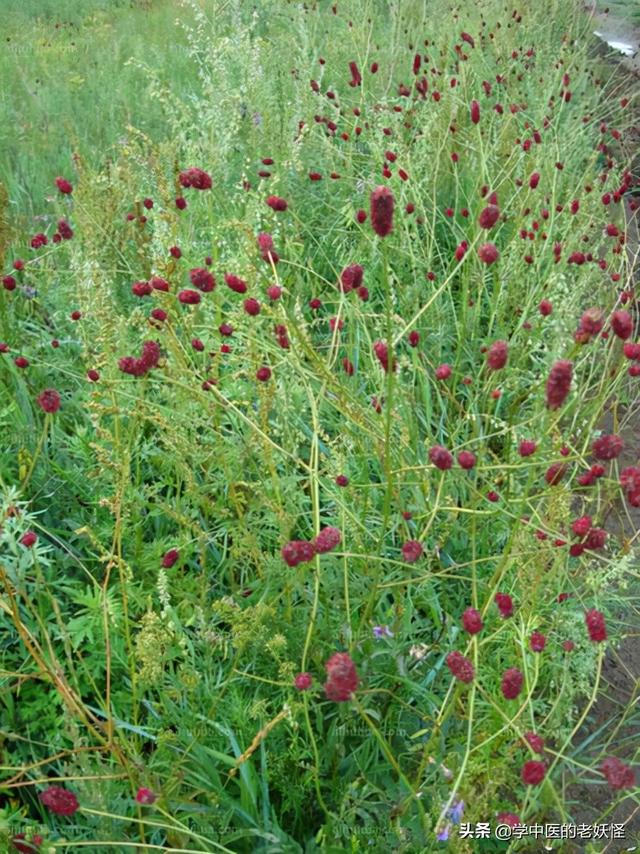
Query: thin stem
[41, 440]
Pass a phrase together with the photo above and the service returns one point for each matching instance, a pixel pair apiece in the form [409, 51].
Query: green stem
[392, 760]
[388, 408]
[34, 460]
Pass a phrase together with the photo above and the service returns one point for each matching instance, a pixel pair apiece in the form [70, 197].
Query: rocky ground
[620, 34]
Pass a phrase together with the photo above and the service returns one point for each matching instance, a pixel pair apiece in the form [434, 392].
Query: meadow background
[164, 680]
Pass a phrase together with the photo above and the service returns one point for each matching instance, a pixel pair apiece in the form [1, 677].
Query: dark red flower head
[555, 473]
[460, 666]
[159, 284]
[59, 800]
[622, 324]
[276, 203]
[252, 306]
[196, 178]
[537, 642]
[64, 186]
[298, 551]
[619, 775]
[150, 355]
[505, 604]
[582, 526]
[148, 360]
[141, 289]
[49, 400]
[327, 540]
[39, 240]
[412, 551]
[527, 447]
[265, 242]
[356, 77]
[489, 217]
[511, 683]
[497, 355]
[488, 253]
[596, 538]
[440, 457]
[29, 539]
[534, 741]
[303, 681]
[472, 621]
[466, 459]
[202, 279]
[559, 383]
[533, 772]
[382, 353]
[382, 202]
[608, 447]
[591, 323]
[342, 677]
[170, 558]
[630, 482]
[189, 297]
[351, 277]
[596, 625]
[145, 796]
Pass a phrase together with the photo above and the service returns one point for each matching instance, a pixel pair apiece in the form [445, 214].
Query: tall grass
[70, 91]
[123, 672]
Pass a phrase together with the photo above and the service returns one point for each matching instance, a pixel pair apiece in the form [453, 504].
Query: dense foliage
[304, 483]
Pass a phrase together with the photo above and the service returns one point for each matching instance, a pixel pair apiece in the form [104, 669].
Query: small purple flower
[444, 834]
[455, 812]
[382, 632]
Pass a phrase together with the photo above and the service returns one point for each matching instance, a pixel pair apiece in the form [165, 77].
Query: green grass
[122, 673]
[72, 90]
[628, 10]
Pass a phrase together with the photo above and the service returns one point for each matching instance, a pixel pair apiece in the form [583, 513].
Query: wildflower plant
[338, 367]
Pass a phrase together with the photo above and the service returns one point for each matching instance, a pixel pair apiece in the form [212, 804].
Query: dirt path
[620, 687]
[621, 36]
